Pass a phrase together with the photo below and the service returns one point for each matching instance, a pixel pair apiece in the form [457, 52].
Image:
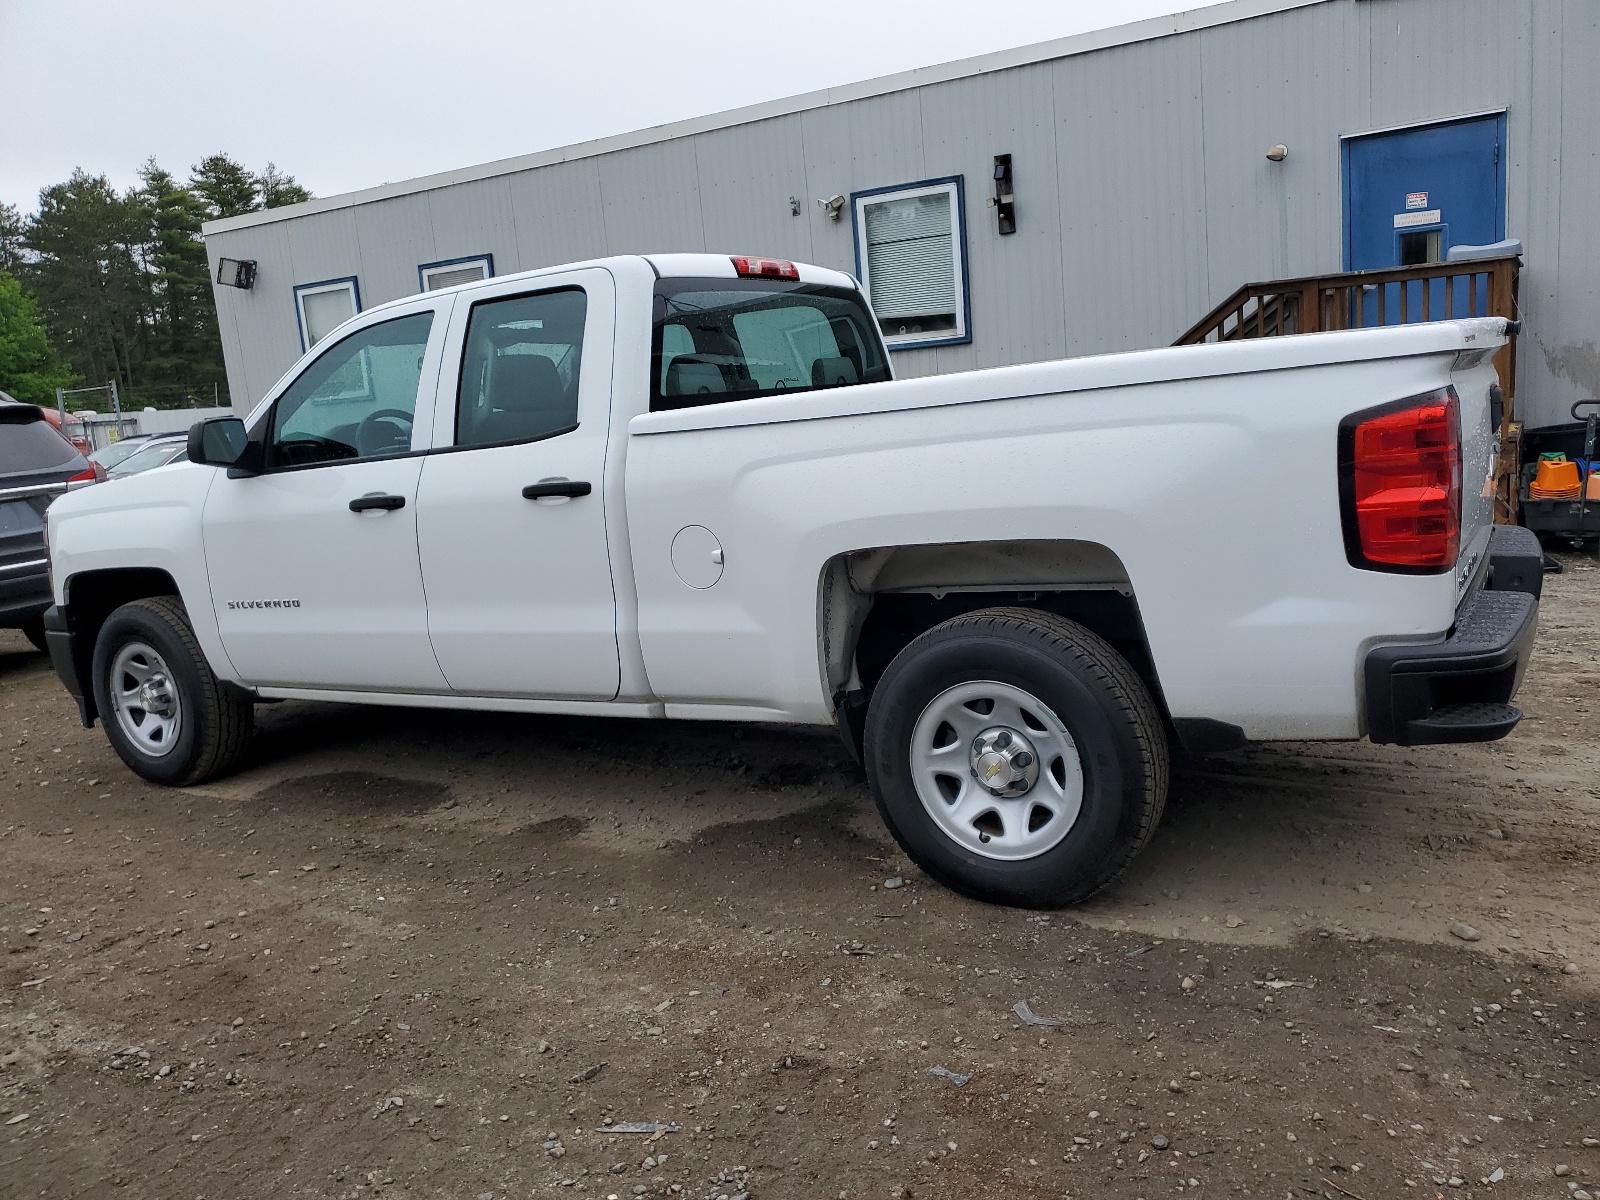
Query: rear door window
[520, 369]
[717, 340]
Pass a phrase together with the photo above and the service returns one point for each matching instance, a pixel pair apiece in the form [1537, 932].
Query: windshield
[157, 455]
[110, 456]
[717, 340]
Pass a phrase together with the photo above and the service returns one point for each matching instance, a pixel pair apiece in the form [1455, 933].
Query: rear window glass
[735, 339]
[33, 446]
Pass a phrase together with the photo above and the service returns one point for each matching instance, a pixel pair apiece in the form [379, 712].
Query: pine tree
[184, 350]
[88, 276]
[278, 189]
[13, 236]
[226, 187]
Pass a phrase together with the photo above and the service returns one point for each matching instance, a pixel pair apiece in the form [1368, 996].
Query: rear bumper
[1460, 689]
[24, 595]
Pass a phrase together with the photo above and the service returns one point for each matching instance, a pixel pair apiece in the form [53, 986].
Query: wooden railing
[1365, 299]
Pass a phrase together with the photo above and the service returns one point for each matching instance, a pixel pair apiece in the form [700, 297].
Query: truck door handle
[559, 487]
[387, 503]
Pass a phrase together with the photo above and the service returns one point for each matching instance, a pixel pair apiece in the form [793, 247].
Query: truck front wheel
[1016, 757]
[166, 715]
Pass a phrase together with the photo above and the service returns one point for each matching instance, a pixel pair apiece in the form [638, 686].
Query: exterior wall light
[1278, 153]
[236, 272]
[832, 206]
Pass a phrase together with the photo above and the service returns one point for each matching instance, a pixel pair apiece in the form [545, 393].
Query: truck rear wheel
[1016, 757]
[166, 715]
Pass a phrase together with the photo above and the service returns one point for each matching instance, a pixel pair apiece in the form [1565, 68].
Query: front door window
[356, 401]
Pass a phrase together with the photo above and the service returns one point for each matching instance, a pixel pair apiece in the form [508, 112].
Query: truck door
[511, 514]
[1411, 194]
[313, 562]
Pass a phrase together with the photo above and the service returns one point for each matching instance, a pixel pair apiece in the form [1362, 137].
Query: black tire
[34, 631]
[217, 720]
[1104, 706]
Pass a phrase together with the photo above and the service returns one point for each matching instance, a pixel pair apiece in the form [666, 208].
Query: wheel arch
[89, 597]
[874, 602]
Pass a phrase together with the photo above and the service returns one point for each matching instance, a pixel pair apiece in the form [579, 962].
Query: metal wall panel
[1015, 281]
[1132, 194]
[1568, 338]
[1534, 138]
[1296, 79]
[747, 176]
[558, 214]
[260, 333]
[1438, 60]
[395, 235]
[475, 218]
[651, 199]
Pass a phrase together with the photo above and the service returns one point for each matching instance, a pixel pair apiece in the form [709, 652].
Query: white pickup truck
[689, 486]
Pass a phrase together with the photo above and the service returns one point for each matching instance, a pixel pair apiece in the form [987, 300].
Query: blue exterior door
[1411, 195]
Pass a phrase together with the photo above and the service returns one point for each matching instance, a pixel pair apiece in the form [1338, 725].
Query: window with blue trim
[454, 271]
[323, 307]
[910, 254]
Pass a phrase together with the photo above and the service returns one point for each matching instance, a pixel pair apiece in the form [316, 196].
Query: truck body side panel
[1217, 492]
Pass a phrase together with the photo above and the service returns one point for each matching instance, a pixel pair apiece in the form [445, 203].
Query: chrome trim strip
[33, 489]
[23, 566]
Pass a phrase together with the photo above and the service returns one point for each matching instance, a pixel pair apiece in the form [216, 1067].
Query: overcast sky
[347, 94]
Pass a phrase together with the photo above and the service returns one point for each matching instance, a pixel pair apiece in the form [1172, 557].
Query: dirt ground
[453, 955]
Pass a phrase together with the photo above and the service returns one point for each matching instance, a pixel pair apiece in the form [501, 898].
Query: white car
[687, 486]
[156, 452]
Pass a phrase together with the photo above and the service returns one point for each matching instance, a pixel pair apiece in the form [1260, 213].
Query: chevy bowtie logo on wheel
[263, 604]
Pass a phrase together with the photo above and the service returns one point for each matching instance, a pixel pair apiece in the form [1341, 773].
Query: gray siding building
[1147, 177]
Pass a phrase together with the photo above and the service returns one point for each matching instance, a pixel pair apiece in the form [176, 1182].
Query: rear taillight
[765, 268]
[1400, 484]
[95, 474]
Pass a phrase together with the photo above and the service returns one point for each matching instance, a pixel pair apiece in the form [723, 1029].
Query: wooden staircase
[1400, 296]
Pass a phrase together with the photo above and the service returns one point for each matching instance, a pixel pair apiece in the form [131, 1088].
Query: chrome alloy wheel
[996, 770]
[146, 700]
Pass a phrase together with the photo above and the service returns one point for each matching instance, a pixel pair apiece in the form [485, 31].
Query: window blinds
[911, 256]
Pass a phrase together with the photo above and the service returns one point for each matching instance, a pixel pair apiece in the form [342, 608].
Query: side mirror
[219, 442]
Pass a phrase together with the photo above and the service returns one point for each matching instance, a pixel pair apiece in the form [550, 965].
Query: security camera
[833, 206]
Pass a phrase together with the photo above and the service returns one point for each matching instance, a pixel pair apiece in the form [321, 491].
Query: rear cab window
[717, 340]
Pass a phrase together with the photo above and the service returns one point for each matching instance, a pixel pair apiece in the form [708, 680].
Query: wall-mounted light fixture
[832, 207]
[236, 272]
[1278, 153]
[1004, 202]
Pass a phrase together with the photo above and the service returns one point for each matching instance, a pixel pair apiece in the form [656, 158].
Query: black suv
[37, 464]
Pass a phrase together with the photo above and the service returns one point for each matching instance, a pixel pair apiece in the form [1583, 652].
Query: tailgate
[22, 508]
[1478, 390]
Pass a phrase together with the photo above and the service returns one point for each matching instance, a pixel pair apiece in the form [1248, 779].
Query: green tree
[227, 188]
[30, 368]
[88, 273]
[183, 350]
[13, 238]
[278, 189]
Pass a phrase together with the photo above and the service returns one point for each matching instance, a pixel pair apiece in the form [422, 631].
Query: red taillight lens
[95, 474]
[1402, 484]
[766, 268]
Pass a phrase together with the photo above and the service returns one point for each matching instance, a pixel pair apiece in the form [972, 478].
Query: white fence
[104, 428]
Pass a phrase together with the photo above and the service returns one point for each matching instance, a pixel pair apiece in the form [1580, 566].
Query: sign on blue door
[1411, 194]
